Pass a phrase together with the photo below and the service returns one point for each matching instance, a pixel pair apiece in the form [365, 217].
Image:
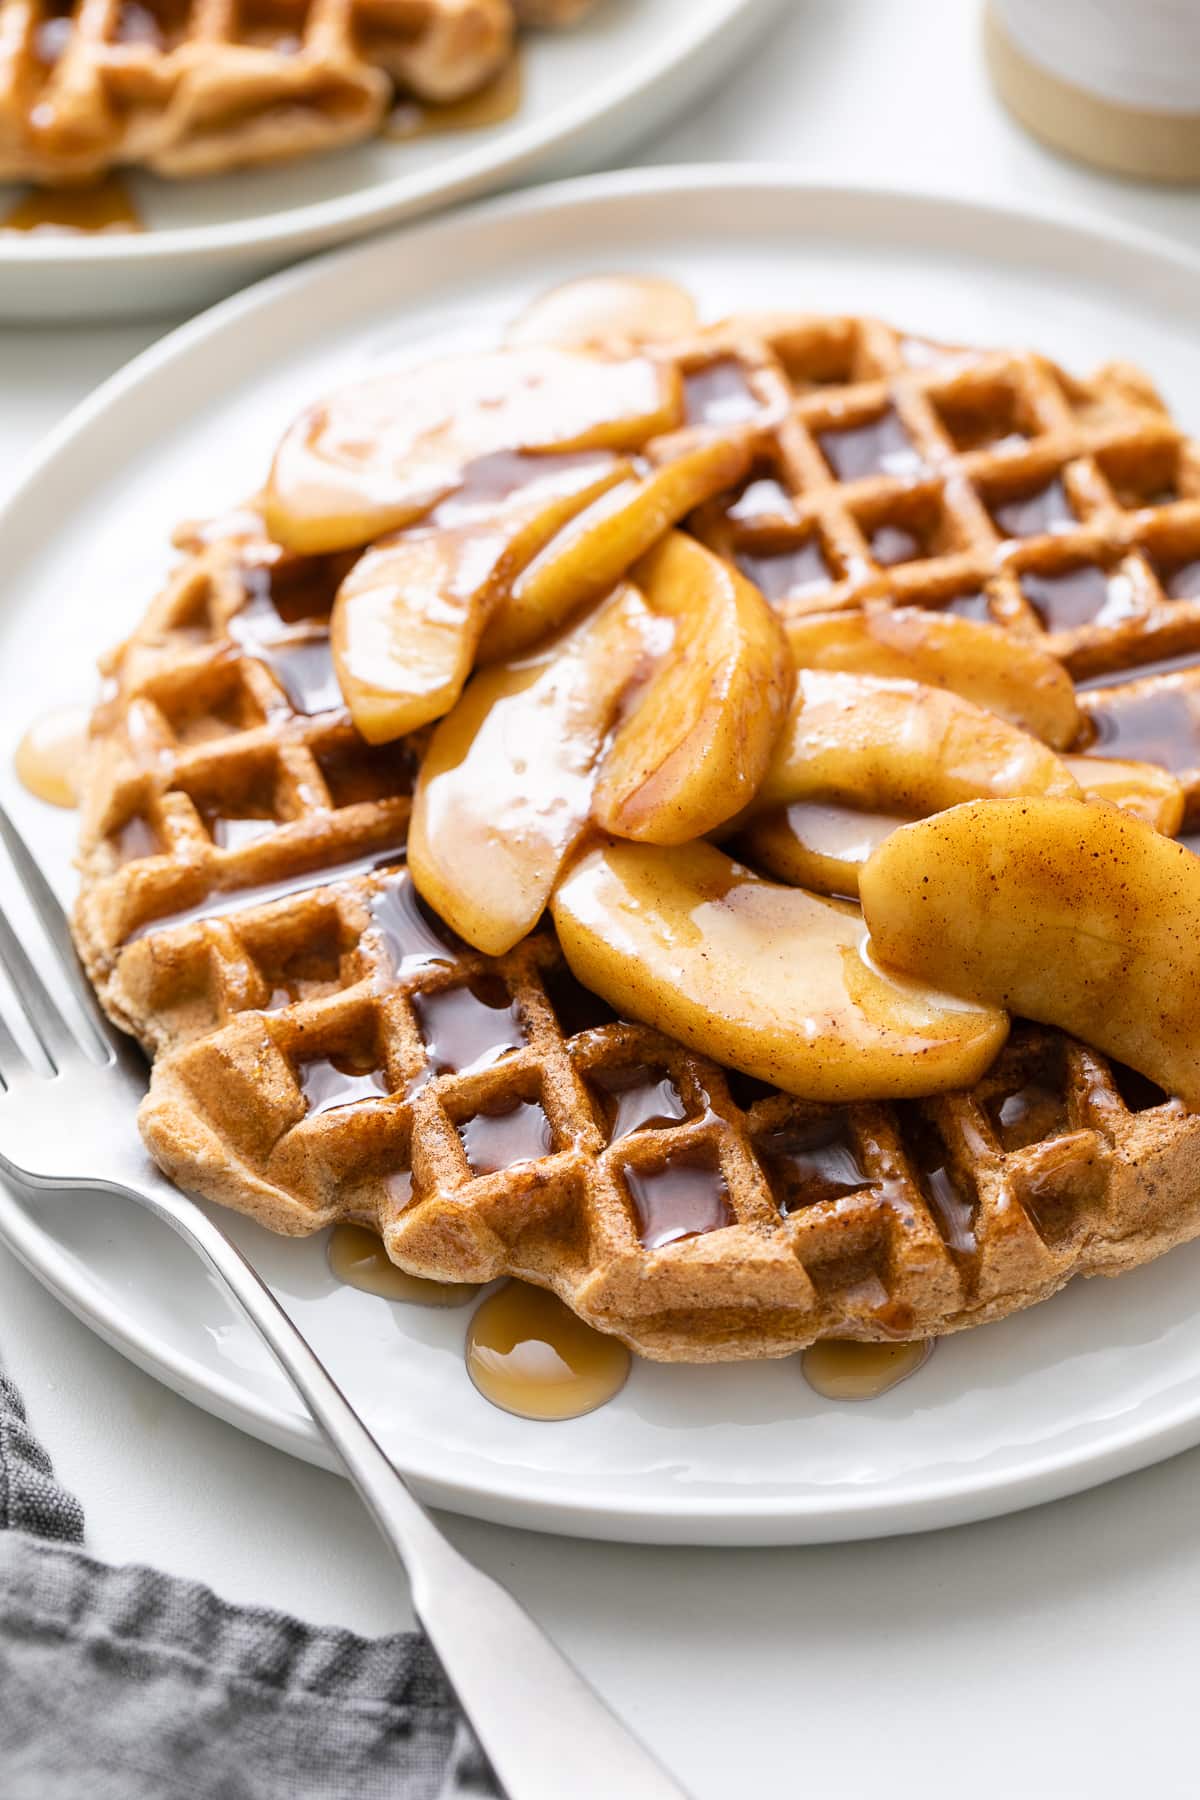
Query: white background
[1050, 1653]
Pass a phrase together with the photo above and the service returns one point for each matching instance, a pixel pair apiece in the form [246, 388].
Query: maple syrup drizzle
[968, 606]
[763, 497]
[305, 672]
[517, 1132]
[469, 1026]
[1069, 598]
[806, 1164]
[637, 1098]
[357, 1258]
[684, 1197]
[491, 105]
[880, 446]
[530, 1355]
[409, 932]
[787, 574]
[1028, 1115]
[1028, 515]
[48, 760]
[842, 1369]
[225, 902]
[1160, 726]
[105, 206]
[720, 394]
[329, 1083]
[891, 544]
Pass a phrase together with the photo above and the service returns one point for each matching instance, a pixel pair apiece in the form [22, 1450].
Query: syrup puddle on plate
[841, 1369]
[528, 1354]
[103, 206]
[48, 760]
[357, 1258]
[498, 101]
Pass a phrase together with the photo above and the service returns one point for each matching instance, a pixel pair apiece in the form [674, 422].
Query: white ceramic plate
[1103, 1379]
[589, 92]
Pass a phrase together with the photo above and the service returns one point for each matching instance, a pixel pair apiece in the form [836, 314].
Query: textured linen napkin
[127, 1684]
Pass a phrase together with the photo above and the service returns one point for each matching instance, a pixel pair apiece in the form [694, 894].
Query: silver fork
[542, 1727]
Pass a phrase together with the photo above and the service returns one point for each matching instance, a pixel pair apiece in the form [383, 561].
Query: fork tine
[53, 921]
[12, 1057]
[49, 1026]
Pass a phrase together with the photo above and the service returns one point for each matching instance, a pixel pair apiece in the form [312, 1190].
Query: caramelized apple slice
[596, 308]
[1078, 915]
[1140, 788]
[1003, 674]
[897, 746]
[506, 784]
[769, 979]
[697, 743]
[603, 543]
[379, 456]
[816, 845]
[823, 846]
[407, 618]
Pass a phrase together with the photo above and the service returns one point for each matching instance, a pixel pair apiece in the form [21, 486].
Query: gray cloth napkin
[127, 1684]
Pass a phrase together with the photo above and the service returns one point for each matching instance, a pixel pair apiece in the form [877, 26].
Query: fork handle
[544, 1730]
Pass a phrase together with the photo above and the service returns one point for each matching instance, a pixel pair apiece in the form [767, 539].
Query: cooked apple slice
[823, 847]
[506, 784]
[697, 743]
[898, 746]
[380, 455]
[1140, 788]
[1002, 673]
[1077, 915]
[600, 546]
[596, 308]
[769, 979]
[817, 846]
[407, 618]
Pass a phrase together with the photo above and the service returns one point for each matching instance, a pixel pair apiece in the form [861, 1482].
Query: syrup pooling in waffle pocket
[713, 1214]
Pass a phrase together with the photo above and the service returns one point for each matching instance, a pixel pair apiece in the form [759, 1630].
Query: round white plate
[1103, 1379]
[589, 92]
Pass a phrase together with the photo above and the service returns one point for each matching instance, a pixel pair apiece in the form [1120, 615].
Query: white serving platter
[1101, 1380]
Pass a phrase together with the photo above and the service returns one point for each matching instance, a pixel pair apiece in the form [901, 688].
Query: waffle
[197, 88]
[327, 1051]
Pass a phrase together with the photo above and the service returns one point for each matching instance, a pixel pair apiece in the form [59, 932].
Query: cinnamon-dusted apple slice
[817, 845]
[407, 618]
[898, 746]
[601, 545]
[1077, 915]
[823, 846]
[380, 455]
[1004, 674]
[765, 978]
[506, 784]
[697, 743]
[1140, 788]
[598, 308]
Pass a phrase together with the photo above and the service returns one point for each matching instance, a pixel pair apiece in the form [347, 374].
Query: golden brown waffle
[327, 1051]
[195, 87]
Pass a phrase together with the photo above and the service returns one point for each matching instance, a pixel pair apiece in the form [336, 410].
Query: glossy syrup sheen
[106, 206]
[841, 1369]
[529, 1354]
[48, 758]
[357, 1258]
[491, 105]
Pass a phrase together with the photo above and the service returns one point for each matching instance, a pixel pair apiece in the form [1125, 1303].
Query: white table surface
[1048, 1653]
